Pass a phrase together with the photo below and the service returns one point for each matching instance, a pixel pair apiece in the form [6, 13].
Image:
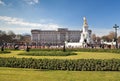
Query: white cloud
[32, 2]
[17, 30]
[46, 20]
[24, 25]
[18, 25]
[36, 1]
[1, 2]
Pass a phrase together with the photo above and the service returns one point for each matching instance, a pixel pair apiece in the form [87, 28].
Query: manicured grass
[18, 74]
[80, 55]
[47, 53]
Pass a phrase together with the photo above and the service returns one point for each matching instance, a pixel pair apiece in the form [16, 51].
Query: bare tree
[119, 39]
[111, 36]
[93, 37]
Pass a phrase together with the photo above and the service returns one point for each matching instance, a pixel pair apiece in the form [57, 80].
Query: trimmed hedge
[4, 52]
[47, 53]
[81, 50]
[95, 50]
[61, 64]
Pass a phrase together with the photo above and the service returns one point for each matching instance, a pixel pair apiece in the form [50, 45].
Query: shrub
[62, 64]
[80, 50]
[4, 52]
[47, 53]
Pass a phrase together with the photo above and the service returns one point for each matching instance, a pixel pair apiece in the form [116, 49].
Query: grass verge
[80, 55]
[21, 74]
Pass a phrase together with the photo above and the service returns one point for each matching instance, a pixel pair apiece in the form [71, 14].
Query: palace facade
[55, 37]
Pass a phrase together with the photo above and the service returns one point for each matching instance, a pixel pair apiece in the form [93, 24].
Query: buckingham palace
[55, 37]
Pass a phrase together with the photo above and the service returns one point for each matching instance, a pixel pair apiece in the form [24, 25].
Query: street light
[64, 47]
[116, 27]
[2, 48]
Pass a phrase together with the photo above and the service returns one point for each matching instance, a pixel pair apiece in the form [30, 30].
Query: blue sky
[21, 16]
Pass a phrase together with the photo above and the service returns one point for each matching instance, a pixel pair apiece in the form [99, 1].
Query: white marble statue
[85, 37]
[86, 34]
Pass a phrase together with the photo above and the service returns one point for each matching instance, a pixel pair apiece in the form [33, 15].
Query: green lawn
[20, 74]
[80, 55]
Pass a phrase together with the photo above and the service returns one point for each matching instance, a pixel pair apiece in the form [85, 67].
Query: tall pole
[64, 48]
[116, 27]
[2, 48]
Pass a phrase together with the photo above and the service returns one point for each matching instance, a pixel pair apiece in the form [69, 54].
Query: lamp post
[116, 27]
[2, 48]
[64, 48]
[27, 48]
